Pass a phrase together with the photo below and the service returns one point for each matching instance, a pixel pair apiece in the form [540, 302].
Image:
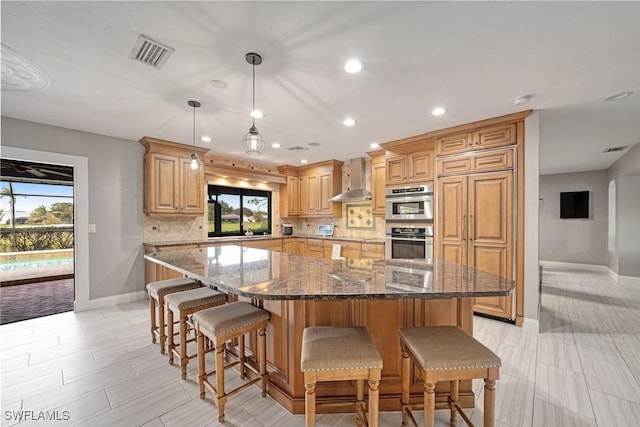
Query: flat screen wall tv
[574, 204]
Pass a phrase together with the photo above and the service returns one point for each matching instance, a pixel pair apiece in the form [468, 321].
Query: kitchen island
[298, 291]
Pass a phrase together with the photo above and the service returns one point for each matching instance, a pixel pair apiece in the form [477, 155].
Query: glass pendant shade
[252, 142]
[194, 163]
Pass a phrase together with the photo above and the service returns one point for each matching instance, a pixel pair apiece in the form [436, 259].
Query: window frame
[214, 190]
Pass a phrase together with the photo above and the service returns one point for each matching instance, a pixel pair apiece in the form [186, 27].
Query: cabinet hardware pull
[471, 228]
[463, 217]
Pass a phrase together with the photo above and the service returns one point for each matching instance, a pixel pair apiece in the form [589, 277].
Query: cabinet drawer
[454, 166]
[494, 160]
[348, 249]
[373, 250]
[452, 144]
[497, 136]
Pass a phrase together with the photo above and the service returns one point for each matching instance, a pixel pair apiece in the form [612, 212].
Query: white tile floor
[98, 368]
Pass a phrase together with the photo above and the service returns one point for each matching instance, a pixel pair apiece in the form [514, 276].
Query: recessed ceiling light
[218, 84]
[304, 161]
[619, 96]
[275, 145]
[349, 122]
[353, 66]
[257, 114]
[438, 111]
[205, 138]
[374, 145]
[522, 99]
[313, 144]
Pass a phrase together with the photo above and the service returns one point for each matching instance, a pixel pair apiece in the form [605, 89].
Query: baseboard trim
[629, 280]
[531, 325]
[110, 301]
[592, 267]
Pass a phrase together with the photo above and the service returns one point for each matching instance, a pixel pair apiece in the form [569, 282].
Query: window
[234, 211]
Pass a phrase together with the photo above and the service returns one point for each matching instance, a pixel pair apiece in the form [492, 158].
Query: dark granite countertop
[263, 274]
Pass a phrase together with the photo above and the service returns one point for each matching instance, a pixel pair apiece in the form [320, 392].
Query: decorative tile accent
[360, 216]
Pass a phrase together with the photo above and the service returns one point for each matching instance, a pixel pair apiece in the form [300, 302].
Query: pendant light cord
[194, 129]
[253, 99]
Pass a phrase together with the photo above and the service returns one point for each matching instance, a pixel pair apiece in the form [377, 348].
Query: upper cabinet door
[452, 144]
[396, 167]
[163, 184]
[496, 136]
[421, 167]
[191, 190]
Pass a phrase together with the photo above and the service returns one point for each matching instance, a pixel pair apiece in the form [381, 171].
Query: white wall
[531, 222]
[115, 196]
[581, 241]
[625, 259]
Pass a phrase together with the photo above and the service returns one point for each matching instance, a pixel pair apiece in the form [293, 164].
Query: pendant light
[195, 163]
[252, 141]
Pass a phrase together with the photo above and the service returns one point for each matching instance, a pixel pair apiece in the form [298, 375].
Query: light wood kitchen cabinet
[378, 183]
[489, 160]
[170, 187]
[348, 249]
[487, 137]
[315, 248]
[373, 250]
[269, 244]
[475, 220]
[289, 245]
[309, 189]
[410, 168]
[301, 246]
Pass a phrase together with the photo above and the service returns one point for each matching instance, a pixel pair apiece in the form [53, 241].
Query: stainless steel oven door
[408, 248]
[411, 208]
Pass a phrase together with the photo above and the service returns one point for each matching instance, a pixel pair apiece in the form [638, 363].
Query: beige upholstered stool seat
[184, 304]
[337, 354]
[446, 353]
[220, 324]
[157, 291]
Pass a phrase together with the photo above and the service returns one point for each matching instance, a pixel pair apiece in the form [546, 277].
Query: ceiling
[472, 58]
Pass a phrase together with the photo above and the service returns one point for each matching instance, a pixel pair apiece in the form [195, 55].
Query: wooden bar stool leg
[429, 404]
[310, 399]
[406, 367]
[453, 401]
[161, 329]
[374, 394]
[152, 311]
[489, 402]
[183, 346]
[170, 343]
[360, 406]
[201, 371]
[241, 358]
[220, 397]
[262, 354]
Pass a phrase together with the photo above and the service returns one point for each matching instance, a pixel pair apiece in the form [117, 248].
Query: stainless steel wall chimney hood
[357, 191]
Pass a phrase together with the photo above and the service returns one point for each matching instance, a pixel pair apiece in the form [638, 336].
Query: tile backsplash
[169, 229]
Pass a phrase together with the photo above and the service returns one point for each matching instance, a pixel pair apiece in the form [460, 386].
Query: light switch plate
[92, 228]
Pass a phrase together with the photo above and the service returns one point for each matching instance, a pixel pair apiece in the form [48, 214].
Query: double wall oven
[409, 218]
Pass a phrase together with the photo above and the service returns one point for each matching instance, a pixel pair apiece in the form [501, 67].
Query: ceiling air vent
[297, 148]
[150, 52]
[614, 149]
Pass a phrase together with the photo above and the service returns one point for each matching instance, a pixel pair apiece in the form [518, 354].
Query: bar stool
[157, 291]
[337, 354]
[446, 353]
[223, 323]
[182, 305]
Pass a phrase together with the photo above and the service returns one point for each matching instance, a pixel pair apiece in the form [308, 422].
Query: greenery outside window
[236, 211]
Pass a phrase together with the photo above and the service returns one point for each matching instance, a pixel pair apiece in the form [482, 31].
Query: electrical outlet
[550, 251]
[92, 228]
